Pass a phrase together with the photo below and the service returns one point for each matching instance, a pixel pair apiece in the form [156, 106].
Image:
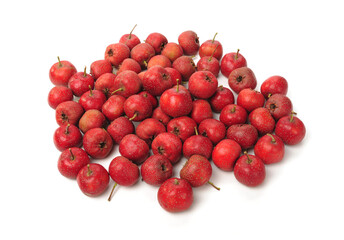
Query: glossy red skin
[202, 84]
[250, 174]
[229, 62]
[148, 129]
[197, 171]
[208, 47]
[176, 103]
[233, 114]
[159, 115]
[242, 78]
[92, 100]
[183, 127]
[139, 105]
[152, 99]
[274, 85]
[290, 131]
[106, 84]
[129, 83]
[100, 67]
[210, 64]
[250, 99]
[159, 60]
[156, 80]
[199, 145]
[59, 94]
[142, 53]
[279, 106]
[244, 134]
[225, 154]
[221, 98]
[157, 41]
[91, 119]
[212, 129]
[201, 110]
[269, 149]
[67, 136]
[95, 182]
[129, 64]
[80, 83]
[172, 51]
[262, 120]
[156, 170]
[119, 128]
[114, 107]
[174, 74]
[131, 40]
[123, 171]
[60, 74]
[71, 161]
[175, 195]
[116, 53]
[189, 42]
[168, 145]
[185, 66]
[68, 112]
[134, 148]
[97, 143]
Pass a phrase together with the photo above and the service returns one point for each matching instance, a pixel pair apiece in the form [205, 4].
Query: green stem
[177, 90]
[89, 171]
[132, 31]
[214, 38]
[72, 157]
[113, 188]
[133, 117]
[85, 71]
[237, 55]
[213, 185]
[196, 131]
[117, 90]
[67, 129]
[60, 64]
[213, 53]
[273, 140]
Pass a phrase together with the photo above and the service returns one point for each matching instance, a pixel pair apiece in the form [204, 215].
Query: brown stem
[196, 131]
[221, 87]
[85, 71]
[213, 53]
[237, 55]
[132, 31]
[233, 109]
[117, 90]
[214, 38]
[91, 93]
[269, 95]
[67, 129]
[89, 171]
[113, 188]
[133, 117]
[177, 90]
[213, 185]
[60, 64]
[292, 116]
[72, 157]
[273, 140]
[145, 63]
[249, 160]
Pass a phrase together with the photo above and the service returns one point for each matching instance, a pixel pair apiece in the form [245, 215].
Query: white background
[302, 197]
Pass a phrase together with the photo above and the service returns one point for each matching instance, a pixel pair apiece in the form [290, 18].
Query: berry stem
[91, 93]
[213, 185]
[237, 55]
[133, 117]
[221, 87]
[85, 71]
[269, 95]
[113, 188]
[89, 171]
[132, 31]
[233, 109]
[249, 160]
[117, 90]
[214, 38]
[177, 90]
[60, 64]
[213, 53]
[67, 129]
[273, 140]
[72, 157]
[196, 131]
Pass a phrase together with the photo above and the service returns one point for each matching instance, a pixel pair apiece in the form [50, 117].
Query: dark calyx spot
[176, 131]
[64, 117]
[110, 53]
[102, 145]
[162, 45]
[239, 79]
[272, 106]
[161, 150]
[163, 167]
[164, 76]
[204, 134]
[197, 40]
[207, 78]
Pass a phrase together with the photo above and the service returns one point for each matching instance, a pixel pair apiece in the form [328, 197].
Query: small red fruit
[183, 127]
[106, 84]
[131, 40]
[262, 120]
[157, 41]
[290, 129]
[67, 136]
[116, 53]
[134, 148]
[59, 94]
[225, 154]
[233, 114]
[274, 85]
[119, 128]
[249, 170]
[71, 161]
[91, 119]
[242, 78]
[172, 51]
[159, 60]
[189, 42]
[197, 144]
[129, 64]
[137, 108]
[156, 80]
[159, 115]
[68, 112]
[92, 99]
[222, 97]
[213, 129]
[142, 53]
[250, 99]
[61, 72]
[211, 47]
[244, 134]
[185, 66]
[279, 105]
[80, 83]
[168, 145]
[201, 110]
[270, 149]
[93, 179]
[97, 143]
[114, 107]
[148, 129]
[156, 170]
[232, 61]
[175, 195]
[203, 84]
[100, 67]
[127, 83]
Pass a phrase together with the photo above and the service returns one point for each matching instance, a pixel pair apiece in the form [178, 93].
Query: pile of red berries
[175, 120]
